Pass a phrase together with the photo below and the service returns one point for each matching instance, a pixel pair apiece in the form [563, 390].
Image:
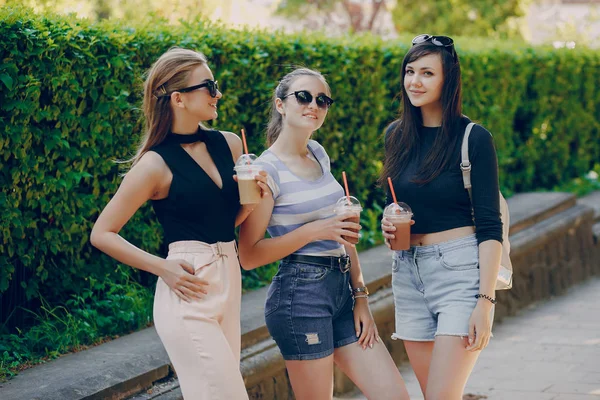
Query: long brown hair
[282, 89]
[168, 74]
[402, 138]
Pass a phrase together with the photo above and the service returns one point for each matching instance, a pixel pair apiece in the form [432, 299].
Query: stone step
[596, 232]
[164, 390]
[592, 200]
[113, 370]
[527, 209]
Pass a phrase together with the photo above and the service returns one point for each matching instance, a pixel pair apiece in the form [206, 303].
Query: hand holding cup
[398, 215]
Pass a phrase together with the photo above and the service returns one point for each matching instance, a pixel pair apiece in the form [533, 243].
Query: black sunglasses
[440, 41]
[304, 98]
[212, 86]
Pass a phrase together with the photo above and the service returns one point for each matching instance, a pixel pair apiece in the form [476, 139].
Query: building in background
[565, 23]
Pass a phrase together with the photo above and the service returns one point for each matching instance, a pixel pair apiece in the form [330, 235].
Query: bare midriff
[424, 239]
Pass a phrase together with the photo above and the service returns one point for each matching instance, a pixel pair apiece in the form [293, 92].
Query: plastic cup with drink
[246, 169]
[348, 204]
[400, 215]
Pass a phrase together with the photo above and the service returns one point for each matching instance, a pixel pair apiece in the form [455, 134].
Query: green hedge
[71, 91]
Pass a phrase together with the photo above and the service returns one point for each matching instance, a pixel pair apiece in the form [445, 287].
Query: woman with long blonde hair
[185, 169]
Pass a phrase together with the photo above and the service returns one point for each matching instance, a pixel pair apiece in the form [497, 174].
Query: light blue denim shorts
[434, 289]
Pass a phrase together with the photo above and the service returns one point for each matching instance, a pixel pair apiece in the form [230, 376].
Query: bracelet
[361, 296]
[362, 289]
[485, 296]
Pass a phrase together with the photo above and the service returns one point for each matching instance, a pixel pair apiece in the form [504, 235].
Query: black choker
[199, 136]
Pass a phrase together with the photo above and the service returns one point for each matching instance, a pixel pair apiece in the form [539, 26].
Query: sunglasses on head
[212, 86]
[305, 98]
[440, 41]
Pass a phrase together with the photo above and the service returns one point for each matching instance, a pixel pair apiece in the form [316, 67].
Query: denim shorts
[309, 310]
[434, 289]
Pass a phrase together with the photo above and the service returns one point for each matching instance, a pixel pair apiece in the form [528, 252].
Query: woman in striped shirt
[317, 306]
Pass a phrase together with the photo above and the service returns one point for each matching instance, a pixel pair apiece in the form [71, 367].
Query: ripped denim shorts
[309, 310]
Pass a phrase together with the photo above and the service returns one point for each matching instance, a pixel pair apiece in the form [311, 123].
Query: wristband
[485, 296]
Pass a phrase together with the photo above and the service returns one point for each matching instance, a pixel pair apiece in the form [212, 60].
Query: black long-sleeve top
[444, 203]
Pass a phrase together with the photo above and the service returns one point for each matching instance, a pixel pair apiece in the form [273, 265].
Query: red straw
[244, 140]
[346, 186]
[392, 190]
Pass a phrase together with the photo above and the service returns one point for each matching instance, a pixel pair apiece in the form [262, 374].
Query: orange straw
[346, 186]
[244, 140]
[392, 190]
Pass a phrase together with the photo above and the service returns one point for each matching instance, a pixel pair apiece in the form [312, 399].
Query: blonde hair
[168, 74]
[276, 121]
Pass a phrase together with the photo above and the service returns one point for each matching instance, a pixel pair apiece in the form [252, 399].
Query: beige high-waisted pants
[202, 338]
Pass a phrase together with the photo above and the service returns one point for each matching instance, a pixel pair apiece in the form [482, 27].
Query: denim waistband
[342, 263]
[435, 249]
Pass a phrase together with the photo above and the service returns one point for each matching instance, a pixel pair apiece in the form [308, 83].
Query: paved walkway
[550, 351]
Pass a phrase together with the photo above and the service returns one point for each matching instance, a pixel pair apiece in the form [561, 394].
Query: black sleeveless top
[195, 208]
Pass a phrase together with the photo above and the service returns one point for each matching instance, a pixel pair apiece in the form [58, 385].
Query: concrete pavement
[549, 351]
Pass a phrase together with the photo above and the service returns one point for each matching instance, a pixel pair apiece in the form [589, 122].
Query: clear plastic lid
[347, 202]
[399, 209]
[245, 159]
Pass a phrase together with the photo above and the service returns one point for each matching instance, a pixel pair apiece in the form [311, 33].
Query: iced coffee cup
[245, 170]
[399, 214]
[345, 205]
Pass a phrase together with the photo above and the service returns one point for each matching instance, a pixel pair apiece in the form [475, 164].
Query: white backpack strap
[465, 164]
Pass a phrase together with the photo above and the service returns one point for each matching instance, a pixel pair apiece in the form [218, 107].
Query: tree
[131, 10]
[459, 17]
[347, 15]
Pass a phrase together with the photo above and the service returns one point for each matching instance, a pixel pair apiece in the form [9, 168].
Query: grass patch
[103, 311]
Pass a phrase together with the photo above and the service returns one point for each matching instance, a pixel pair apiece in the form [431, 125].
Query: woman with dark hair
[185, 169]
[317, 307]
[444, 284]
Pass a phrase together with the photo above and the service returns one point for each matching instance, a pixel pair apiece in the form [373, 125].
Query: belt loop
[218, 254]
[344, 263]
[218, 251]
[438, 252]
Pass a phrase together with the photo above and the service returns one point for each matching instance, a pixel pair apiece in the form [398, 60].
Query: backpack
[505, 273]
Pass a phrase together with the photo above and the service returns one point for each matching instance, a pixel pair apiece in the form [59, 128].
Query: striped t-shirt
[299, 201]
